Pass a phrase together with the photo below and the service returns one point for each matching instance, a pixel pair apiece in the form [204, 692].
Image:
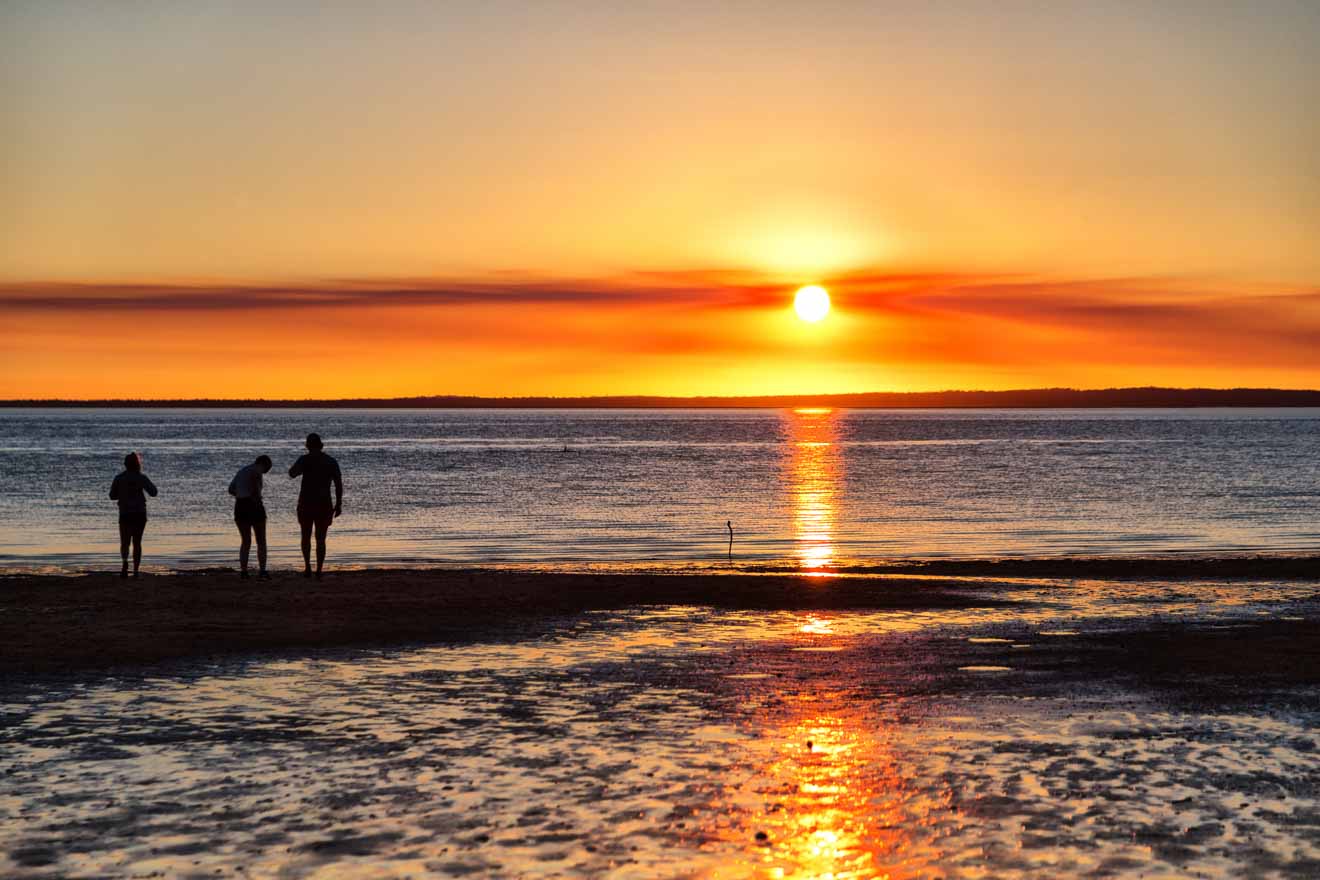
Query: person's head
[263, 463]
[133, 463]
[314, 442]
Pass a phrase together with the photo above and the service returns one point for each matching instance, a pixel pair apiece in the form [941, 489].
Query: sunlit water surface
[673, 742]
[813, 486]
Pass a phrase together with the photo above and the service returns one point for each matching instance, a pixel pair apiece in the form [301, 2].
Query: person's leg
[305, 525]
[125, 538]
[138, 528]
[244, 546]
[260, 528]
[321, 529]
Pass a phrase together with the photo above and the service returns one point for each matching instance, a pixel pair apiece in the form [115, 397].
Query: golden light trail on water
[814, 472]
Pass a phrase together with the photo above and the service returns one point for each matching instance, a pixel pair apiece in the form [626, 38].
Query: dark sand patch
[53, 623]
[1171, 568]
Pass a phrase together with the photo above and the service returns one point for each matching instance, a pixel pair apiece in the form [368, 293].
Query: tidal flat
[1031, 727]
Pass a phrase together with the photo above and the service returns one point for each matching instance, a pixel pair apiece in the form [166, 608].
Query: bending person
[131, 488]
[315, 509]
[250, 513]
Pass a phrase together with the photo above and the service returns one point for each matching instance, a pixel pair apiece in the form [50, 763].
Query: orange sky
[574, 198]
[652, 334]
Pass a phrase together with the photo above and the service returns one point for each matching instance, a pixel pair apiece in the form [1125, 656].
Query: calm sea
[814, 487]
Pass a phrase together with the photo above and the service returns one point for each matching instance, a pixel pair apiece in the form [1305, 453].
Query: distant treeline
[1030, 398]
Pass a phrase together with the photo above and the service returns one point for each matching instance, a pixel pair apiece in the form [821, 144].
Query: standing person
[315, 509]
[250, 513]
[131, 489]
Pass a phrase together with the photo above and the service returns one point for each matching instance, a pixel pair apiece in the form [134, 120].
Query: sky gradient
[291, 200]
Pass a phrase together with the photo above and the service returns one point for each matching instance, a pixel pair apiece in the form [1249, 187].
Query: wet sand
[53, 622]
[1173, 568]
[497, 723]
[1111, 732]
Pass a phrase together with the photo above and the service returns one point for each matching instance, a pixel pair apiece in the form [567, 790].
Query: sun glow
[811, 303]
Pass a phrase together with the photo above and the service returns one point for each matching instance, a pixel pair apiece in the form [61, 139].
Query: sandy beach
[56, 622]
[52, 622]
[945, 721]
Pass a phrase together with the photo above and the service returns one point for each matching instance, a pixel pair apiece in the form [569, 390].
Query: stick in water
[728, 524]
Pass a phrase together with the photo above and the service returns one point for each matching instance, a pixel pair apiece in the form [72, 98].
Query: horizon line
[1043, 397]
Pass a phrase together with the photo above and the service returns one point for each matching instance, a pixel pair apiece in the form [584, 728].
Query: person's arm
[233, 485]
[297, 468]
[148, 485]
[339, 491]
[114, 489]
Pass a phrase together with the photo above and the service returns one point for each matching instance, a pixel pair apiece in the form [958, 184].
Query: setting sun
[811, 303]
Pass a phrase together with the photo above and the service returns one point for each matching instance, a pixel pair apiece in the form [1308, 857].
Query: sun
[811, 303]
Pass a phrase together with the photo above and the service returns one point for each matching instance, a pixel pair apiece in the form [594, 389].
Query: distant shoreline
[1040, 398]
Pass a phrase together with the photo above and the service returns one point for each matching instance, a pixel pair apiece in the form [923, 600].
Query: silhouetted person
[131, 489]
[250, 513]
[315, 509]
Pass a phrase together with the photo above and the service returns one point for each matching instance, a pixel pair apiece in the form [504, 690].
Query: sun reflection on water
[814, 471]
[817, 625]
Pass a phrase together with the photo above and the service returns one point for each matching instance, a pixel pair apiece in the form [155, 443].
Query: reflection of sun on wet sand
[899, 759]
[826, 797]
[848, 813]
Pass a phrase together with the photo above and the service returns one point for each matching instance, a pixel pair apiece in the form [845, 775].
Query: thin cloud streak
[1178, 314]
[53, 297]
[1019, 297]
[1129, 309]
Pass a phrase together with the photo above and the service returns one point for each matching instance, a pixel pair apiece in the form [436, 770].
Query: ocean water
[814, 487]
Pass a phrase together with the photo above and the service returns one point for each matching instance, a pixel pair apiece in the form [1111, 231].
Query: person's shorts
[132, 520]
[249, 512]
[316, 513]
